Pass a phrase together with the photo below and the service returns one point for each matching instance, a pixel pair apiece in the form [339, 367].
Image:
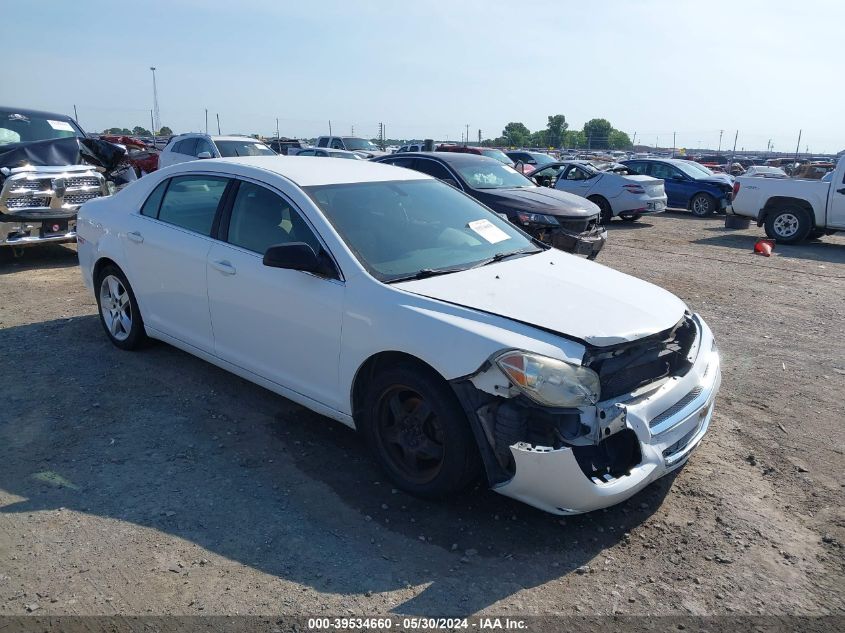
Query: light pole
[156, 115]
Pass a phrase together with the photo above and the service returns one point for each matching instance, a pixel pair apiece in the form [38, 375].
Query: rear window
[231, 149]
[191, 202]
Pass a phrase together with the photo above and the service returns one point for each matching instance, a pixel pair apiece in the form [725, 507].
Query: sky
[426, 68]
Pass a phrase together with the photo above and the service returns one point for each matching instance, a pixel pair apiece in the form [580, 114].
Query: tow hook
[611, 419]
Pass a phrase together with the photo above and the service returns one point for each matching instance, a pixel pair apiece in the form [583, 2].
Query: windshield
[229, 149]
[359, 143]
[696, 173]
[699, 167]
[542, 159]
[23, 128]
[397, 229]
[490, 175]
[499, 155]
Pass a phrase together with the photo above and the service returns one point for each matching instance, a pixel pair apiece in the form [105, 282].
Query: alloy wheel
[786, 225]
[116, 307]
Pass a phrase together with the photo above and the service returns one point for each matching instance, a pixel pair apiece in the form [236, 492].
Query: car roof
[453, 158]
[219, 137]
[305, 171]
[37, 113]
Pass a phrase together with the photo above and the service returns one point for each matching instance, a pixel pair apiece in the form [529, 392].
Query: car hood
[540, 200]
[562, 293]
[718, 180]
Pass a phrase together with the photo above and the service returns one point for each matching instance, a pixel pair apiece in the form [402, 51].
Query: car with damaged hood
[566, 221]
[48, 168]
[455, 343]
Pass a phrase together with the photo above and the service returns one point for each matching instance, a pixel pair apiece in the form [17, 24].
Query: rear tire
[788, 225]
[118, 308]
[419, 432]
[604, 206]
[702, 205]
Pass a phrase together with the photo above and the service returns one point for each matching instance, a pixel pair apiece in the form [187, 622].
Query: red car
[144, 158]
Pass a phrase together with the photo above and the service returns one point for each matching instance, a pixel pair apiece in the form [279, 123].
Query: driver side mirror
[204, 155]
[296, 256]
[676, 177]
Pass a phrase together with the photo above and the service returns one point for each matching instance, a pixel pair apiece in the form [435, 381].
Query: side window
[306, 152]
[408, 163]
[661, 170]
[191, 202]
[150, 208]
[188, 146]
[638, 168]
[323, 142]
[337, 144]
[177, 147]
[203, 145]
[574, 173]
[432, 168]
[261, 218]
[320, 153]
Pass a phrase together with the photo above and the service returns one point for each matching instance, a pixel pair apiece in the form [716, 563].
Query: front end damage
[656, 404]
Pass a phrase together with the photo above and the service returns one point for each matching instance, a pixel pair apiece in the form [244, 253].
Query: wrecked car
[48, 168]
[385, 299]
[564, 220]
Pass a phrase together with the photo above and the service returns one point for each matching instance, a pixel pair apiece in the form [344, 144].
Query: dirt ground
[154, 483]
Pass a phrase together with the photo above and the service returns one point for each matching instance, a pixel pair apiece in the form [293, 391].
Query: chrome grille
[79, 198]
[678, 406]
[83, 181]
[33, 184]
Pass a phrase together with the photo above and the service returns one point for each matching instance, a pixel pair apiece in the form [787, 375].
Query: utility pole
[718, 151]
[798, 147]
[353, 130]
[634, 142]
[277, 128]
[75, 115]
[733, 153]
[152, 123]
[218, 124]
[206, 120]
[157, 116]
[330, 127]
[479, 136]
[673, 144]
[467, 136]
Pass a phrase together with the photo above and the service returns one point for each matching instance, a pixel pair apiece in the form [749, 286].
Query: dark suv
[566, 221]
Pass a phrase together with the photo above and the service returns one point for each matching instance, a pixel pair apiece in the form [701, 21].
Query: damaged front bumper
[648, 435]
[587, 243]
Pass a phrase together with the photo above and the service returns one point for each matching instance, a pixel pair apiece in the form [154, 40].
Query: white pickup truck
[792, 209]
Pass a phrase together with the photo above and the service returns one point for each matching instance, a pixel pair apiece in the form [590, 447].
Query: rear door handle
[224, 267]
[135, 237]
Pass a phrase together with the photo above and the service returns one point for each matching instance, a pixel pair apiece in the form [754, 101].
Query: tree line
[137, 131]
[596, 134]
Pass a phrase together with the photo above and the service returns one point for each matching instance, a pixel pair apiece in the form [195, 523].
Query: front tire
[788, 225]
[119, 314]
[419, 432]
[702, 205]
[604, 206]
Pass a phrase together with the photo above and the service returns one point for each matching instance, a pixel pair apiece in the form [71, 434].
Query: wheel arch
[101, 263]
[775, 203]
[377, 362]
[706, 192]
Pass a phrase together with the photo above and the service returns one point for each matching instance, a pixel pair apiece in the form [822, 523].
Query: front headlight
[551, 382]
[536, 218]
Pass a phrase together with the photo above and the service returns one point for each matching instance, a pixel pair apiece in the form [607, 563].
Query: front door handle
[224, 267]
[135, 237]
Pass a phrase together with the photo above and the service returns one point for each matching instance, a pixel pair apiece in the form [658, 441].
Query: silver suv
[186, 147]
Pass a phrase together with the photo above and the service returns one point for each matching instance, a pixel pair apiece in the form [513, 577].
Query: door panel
[283, 325]
[836, 204]
[167, 253]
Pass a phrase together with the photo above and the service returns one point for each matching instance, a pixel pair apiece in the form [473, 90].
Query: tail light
[736, 189]
[633, 188]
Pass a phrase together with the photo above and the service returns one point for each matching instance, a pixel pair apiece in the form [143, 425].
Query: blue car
[687, 186]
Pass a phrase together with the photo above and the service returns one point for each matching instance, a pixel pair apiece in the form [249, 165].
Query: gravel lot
[154, 483]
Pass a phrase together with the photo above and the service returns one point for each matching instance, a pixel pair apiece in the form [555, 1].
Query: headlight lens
[536, 218]
[551, 382]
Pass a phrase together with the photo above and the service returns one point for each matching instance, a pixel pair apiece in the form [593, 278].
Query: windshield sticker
[259, 145]
[488, 231]
[62, 126]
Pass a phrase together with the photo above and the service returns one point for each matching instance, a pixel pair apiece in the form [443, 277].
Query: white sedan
[396, 304]
[617, 192]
